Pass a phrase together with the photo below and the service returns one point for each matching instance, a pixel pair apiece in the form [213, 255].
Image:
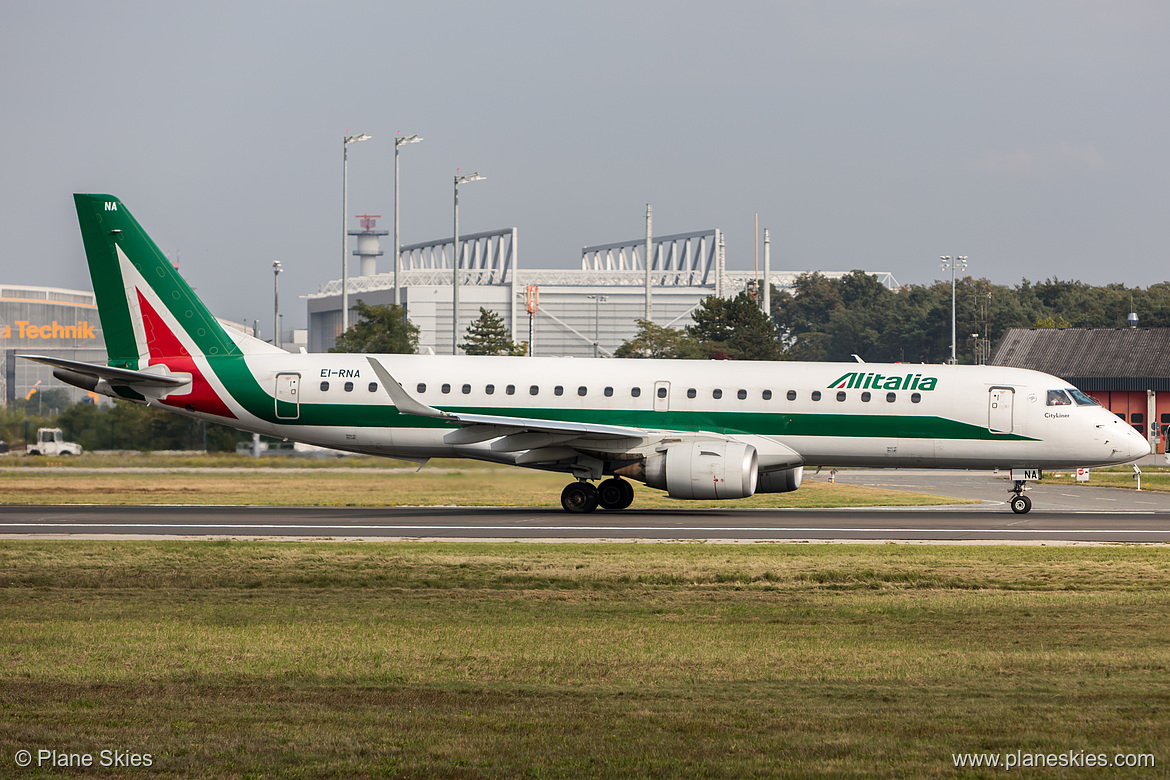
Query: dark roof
[1091, 358]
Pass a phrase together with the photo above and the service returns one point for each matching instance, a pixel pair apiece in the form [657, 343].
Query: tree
[655, 341]
[380, 329]
[488, 335]
[735, 328]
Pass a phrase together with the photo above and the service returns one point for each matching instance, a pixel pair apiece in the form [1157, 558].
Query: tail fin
[147, 310]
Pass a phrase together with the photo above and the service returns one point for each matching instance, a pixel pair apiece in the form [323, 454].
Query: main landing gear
[581, 496]
[1019, 502]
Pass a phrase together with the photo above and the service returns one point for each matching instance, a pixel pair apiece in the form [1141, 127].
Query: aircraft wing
[144, 380]
[552, 440]
[407, 404]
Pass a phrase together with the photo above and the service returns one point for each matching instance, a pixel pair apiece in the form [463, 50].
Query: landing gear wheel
[615, 494]
[579, 497]
[1021, 504]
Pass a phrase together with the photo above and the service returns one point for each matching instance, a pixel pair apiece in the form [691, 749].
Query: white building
[579, 311]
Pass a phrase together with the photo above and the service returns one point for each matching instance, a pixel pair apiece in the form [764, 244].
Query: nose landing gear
[1020, 503]
[582, 497]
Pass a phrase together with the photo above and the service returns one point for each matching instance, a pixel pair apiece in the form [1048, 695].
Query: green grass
[224, 460]
[378, 487]
[256, 659]
[1156, 478]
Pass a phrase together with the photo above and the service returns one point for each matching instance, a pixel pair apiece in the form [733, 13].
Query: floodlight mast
[276, 269]
[349, 139]
[399, 141]
[955, 263]
[455, 262]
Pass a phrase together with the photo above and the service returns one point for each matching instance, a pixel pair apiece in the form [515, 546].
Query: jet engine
[780, 481]
[700, 469]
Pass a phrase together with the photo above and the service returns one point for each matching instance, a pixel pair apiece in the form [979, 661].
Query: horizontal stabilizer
[115, 376]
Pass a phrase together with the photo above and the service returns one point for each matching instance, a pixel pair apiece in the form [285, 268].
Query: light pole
[276, 269]
[349, 139]
[955, 263]
[455, 271]
[597, 301]
[399, 141]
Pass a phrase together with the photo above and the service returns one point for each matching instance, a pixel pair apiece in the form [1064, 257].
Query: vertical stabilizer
[147, 310]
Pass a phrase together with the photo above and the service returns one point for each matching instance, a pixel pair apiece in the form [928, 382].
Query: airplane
[698, 430]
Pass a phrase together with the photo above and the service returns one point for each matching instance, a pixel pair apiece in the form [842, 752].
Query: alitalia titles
[860, 380]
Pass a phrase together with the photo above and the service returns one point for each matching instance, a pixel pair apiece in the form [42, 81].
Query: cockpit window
[1058, 398]
[1081, 398]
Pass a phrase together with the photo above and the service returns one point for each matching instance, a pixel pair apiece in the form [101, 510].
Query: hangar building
[46, 320]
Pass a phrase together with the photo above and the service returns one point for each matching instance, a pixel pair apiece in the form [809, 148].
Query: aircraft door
[288, 396]
[662, 396]
[1000, 406]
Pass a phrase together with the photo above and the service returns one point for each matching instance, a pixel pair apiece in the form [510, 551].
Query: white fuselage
[887, 415]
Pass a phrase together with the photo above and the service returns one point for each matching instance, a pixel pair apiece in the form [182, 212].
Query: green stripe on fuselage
[243, 386]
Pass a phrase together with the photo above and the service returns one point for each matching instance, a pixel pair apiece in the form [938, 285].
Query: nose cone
[1139, 447]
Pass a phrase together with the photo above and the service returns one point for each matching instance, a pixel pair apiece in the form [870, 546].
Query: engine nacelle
[704, 469]
[780, 481]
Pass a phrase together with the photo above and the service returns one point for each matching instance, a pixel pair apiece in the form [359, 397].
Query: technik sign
[23, 329]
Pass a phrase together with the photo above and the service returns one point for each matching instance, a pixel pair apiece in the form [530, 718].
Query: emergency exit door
[662, 396]
[288, 396]
[1000, 405]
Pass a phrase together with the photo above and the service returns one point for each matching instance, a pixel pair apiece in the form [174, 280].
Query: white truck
[50, 441]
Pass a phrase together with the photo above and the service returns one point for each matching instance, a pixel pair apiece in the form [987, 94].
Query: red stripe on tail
[166, 350]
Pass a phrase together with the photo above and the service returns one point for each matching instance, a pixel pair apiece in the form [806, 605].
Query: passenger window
[582, 391]
[1058, 398]
[866, 396]
[840, 395]
[716, 393]
[662, 392]
[422, 386]
[791, 395]
[534, 390]
[325, 386]
[490, 389]
[608, 392]
[559, 390]
[816, 395]
[915, 398]
[691, 393]
[373, 387]
[635, 392]
[510, 389]
[467, 389]
[767, 395]
[742, 394]
[445, 388]
[891, 397]
[349, 387]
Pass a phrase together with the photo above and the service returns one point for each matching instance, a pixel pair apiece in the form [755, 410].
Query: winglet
[402, 399]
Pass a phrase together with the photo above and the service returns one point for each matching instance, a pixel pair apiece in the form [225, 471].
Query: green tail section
[106, 227]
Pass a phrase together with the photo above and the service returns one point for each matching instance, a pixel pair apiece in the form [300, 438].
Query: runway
[901, 524]
[1061, 513]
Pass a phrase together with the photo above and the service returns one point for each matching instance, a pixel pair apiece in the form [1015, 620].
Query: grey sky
[1030, 136]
